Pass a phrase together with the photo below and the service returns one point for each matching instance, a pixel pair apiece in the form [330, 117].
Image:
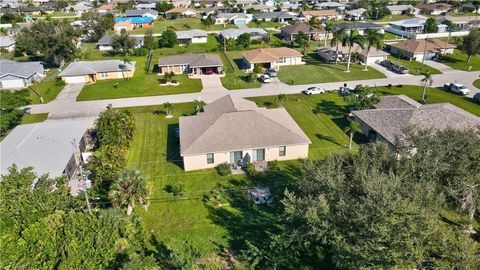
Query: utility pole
[424, 52]
[82, 175]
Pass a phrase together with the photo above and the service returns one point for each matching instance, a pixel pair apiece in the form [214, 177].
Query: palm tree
[476, 4]
[167, 106]
[352, 38]
[338, 35]
[128, 189]
[281, 99]
[373, 38]
[426, 80]
[328, 29]
[352, 128]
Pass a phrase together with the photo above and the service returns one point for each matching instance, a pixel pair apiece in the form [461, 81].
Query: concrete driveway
[69, 92]
[211, 83]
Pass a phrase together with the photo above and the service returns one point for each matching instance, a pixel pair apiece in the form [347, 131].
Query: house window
[282, 151]
[258, 154]
[282, 60]
[210, 159]
[104, 74]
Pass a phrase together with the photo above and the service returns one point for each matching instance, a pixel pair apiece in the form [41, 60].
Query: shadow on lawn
[173, 146]
[330, 108]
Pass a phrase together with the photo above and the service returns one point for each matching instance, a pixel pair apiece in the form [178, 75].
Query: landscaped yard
[458, 60]
[414, 67]
[212, 45]
[265, 24]
[477, 84]
[34, 118]
[234, 77]
[47, 88]
[179, 24]
[317, 71]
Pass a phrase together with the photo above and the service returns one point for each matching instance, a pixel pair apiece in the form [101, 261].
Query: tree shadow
[240, 63]
[329, 139]
[330, 108]
[173, 146]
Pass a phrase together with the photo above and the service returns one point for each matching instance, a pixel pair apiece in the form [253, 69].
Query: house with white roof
[7, 43]
[131, 13]
[401, 9]
[355, 15]
[147, 6]
[255, 33]
[80, 7]
[91, 71]
[233, 18]
[17, 75]
[411, 26]
[191, 36]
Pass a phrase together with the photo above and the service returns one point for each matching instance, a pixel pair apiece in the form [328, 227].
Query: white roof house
[16, 75]
[7, 43]
[255, 33]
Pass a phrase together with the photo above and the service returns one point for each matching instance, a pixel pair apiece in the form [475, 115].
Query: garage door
[12, 84]
[240, 22]
[75, 79]
[376, 59]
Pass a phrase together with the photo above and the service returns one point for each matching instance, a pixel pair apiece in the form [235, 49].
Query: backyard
[179, 24]
[317, 71]
[414, 67]
[458, 60]
[234, 77]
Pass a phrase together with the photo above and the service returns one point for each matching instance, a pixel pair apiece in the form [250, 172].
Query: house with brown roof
[329, 53]
[418, 49]
[180, 12]
[323, 15]
[272, 58]
[434, 8]
[389, 119]
[290, 32]
[192, 64]
[235, 131]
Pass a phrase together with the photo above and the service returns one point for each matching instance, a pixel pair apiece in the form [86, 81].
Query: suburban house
[277, 16]
[17, 75]
[322, 15]
[360, 26]
[374, 55]
[180, 12]
[272, 58]
[290, 32]
[233, 18]
[262, 8]
[235, 131]
[401, 9]
[191, 36]
[191, 64]
[91, 71]
[355, 15]
[417, 49]
[460, 23]
[131, 23]
[434, 8]
[181, 3]
[151, 6]
[388, 121]
[244, 3]
[469, 7]
[80, 7]
[411, 26]
[105, 43]
[131, 13]
[211, 3]
[53, 147]
[330, 5]
[287, 6]
[7, 43]
[106, 8]
[255, 33]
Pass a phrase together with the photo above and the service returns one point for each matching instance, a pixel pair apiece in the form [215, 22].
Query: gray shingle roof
[193, 60]
[6, 41]
[139, 12]
[189, 34]
[274, 15]
[232, 123]
[235, 33]
[18, 69]
[92, 67]
[107, 40]
[394, 115]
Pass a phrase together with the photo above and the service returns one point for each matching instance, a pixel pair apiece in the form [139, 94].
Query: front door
[235, 157]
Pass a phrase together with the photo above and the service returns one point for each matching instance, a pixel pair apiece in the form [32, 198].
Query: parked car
[313, 91]
[386, 63]
[399, 69]
[456, 88]
[265, 78]
[272, 72]
[345, 91]
[476, 98]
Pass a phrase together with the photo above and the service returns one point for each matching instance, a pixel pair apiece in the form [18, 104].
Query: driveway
[211, 83]
[387, 72]
[442, 67]
[69, 92]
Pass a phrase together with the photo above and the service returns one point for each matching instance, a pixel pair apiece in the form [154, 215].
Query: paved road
[66, 108]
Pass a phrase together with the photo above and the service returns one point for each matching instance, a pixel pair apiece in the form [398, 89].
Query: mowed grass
[414, 67]
[234, 77]
[179, 24]
[458, 60]
[47, 88]
[477, 84]
[317, 71]
[34, 118]
[212, 45]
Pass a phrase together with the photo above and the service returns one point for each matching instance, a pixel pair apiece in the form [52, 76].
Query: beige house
[191, 64]
[272, 58]
[329, 53]
[91, 71]
[235, 131]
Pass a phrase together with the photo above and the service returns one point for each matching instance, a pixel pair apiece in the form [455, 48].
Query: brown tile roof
[320, 13]
[179, 10]
[268, 55]
[301, 27]
[232, 123]
[434, 6]
[418, 45]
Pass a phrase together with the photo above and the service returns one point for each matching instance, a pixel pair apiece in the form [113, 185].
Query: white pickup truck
[456, 88]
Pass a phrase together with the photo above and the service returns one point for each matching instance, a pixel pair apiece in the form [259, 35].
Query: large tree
[129, 189]
[302, 40]
[168, 39]
[350, 39]
[148, 40]
[163, 6]
[373, 38]
[96, 25]
[54, 40]
[10, 115]
[244, 40]
[123, 43]
[430, 26]
[338, 35]
[471, 43]
[363, 97]
[115, 127]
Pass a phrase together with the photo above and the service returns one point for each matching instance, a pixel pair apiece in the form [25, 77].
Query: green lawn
[317, 71]
[34, 118]
[47, 88]
[234, 77]
[391, 36]
[392, 18]
[458, 60]
[141, 84]
[265, 24]
[477, 84]
[462, 14]
[414, 67]
[179, 24]
[212, 45]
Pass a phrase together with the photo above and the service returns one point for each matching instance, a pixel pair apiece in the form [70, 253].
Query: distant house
[287, 6]
[106, 8]
[460, 23]
[290, 32]
[374, 55]
[180, 13]
[405, 27]
[105, 43]
[277, 16]
[262, 8]
[211, 3]
[323, 15]
[388, 121]
[355, 15]
[401, 9]
[468, 7]
[132, 23]
[7, 43]
[417, 49]
[132, 13]
[17, 75]
[146, 6]
[181, 3]
[434, 8]
[192, 64]
[330, 5]
[235, 131]
[255, 33]
[91, 71]
[360, 26]
[80, 7]
[233, 18]
[191, 36]
[244, 3]
[272, 58]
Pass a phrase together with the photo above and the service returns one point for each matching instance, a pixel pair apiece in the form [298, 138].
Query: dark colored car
[476, 98]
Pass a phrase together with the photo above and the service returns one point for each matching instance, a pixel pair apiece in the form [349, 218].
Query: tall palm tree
[373, 38]
[352, 128]
[350, 39]
[338, 35]
[167, 106]
[328, 29]
[128, 189]
[426, 80]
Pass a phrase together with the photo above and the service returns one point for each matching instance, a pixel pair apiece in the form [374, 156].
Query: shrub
[176, 189]
[223, 169]
[274, 165]
[251, 171]
[140, 52]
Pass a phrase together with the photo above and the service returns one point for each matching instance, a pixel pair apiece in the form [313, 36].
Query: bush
[176, 189]
[140, 52]
[274, 165]
[251, 172]
[59, 82]
[223, 169]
